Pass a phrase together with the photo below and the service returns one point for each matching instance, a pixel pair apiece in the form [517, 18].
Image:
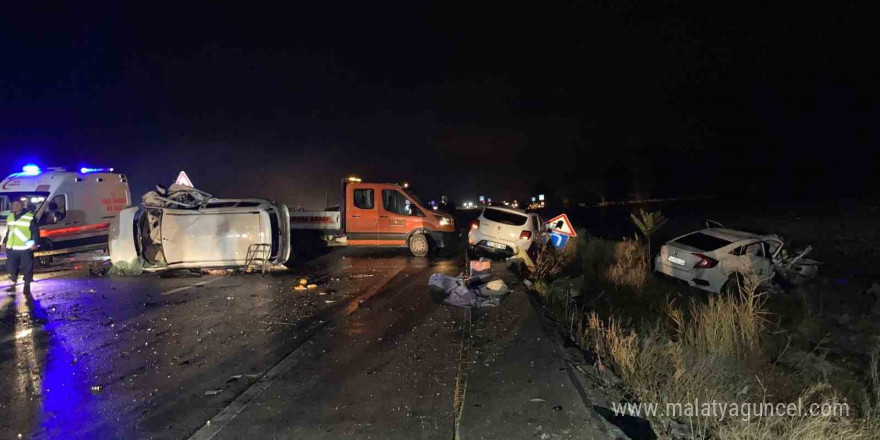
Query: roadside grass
[669, 347]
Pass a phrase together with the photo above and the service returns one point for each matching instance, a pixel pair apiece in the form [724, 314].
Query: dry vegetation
[669, 348]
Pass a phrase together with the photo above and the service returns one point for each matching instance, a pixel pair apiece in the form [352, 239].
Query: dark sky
[665, 97]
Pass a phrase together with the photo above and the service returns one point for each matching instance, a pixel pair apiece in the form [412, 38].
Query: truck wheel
[418, 245]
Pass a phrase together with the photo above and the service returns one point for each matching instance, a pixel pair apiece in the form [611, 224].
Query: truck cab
[380, 215]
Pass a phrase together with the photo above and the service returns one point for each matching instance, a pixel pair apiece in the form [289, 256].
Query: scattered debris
[536, 400]
[212, 393]
[362, 275]
[97, 388]
[303, 281]
[181, 273]
[312, 286]
[329, 301]
[125, 268]
[299, 288]
[233, 378]
[217, 271]
[322, 293]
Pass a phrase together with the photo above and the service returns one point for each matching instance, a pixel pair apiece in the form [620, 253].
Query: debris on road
[213, 393]
[299, 288]
[471, 292]
[126, 268]
[97, 388]
[312, 286]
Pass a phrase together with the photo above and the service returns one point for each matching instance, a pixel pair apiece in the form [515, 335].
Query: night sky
[583, 98]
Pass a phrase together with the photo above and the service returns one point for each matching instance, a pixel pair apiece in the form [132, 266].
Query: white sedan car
[188, 228]
[505, 231]
[709, 259]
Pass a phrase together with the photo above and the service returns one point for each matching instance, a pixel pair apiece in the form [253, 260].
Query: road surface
[365, 355]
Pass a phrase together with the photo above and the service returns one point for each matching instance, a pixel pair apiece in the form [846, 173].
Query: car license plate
[676, 260]
[496, 245]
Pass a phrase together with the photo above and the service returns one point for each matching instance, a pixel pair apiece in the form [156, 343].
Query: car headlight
[444, 221]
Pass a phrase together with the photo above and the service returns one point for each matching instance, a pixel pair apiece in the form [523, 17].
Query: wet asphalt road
[365, 355]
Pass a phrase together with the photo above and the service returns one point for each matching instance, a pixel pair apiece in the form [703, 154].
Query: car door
[395, 211]
[362, 216]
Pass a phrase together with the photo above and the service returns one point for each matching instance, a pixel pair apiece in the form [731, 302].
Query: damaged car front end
[183, 228]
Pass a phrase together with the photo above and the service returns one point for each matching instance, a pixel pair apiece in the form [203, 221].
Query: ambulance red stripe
[74, 230]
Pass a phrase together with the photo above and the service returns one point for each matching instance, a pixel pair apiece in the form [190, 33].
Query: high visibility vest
[19, 231]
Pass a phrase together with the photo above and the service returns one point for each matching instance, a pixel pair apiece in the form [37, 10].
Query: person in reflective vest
[22, 233]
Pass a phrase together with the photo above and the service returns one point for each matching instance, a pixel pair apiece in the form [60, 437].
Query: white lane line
[216, 424]
[182, 288]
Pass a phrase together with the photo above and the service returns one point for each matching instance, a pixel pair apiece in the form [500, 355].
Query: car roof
[506, 209]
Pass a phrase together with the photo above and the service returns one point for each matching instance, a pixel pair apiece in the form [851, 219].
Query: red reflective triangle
[183, 179]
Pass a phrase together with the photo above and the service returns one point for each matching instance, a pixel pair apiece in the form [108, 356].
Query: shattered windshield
[32, 200]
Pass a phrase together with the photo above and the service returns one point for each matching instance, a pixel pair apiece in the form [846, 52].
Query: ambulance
[73, 208]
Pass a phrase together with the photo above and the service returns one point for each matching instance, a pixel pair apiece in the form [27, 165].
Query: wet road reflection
[154, 347]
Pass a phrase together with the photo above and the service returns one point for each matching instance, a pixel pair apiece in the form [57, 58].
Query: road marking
[216, 424]
[182, 288]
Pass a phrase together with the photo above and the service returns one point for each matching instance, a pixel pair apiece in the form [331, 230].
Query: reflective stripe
[19, 248]
[19, 231]
[20, 234]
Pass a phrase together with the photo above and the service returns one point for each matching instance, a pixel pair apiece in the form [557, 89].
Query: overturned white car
[711, 258]
[183, 227]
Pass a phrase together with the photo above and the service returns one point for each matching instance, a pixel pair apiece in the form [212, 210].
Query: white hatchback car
[709, 259]
[504, 231]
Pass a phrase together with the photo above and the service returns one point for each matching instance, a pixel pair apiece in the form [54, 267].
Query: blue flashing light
[30, 170]
[85, 170]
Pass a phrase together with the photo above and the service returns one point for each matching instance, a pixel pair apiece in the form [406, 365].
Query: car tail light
[475, 224]
[705, 262]
[525, 235]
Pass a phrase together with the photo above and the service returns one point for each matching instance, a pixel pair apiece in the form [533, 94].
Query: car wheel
[418, 245]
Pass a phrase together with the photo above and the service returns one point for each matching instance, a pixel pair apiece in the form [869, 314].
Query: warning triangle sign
[561, 225]
[183, 179]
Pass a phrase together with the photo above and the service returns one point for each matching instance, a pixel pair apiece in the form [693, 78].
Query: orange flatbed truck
[379, 215]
